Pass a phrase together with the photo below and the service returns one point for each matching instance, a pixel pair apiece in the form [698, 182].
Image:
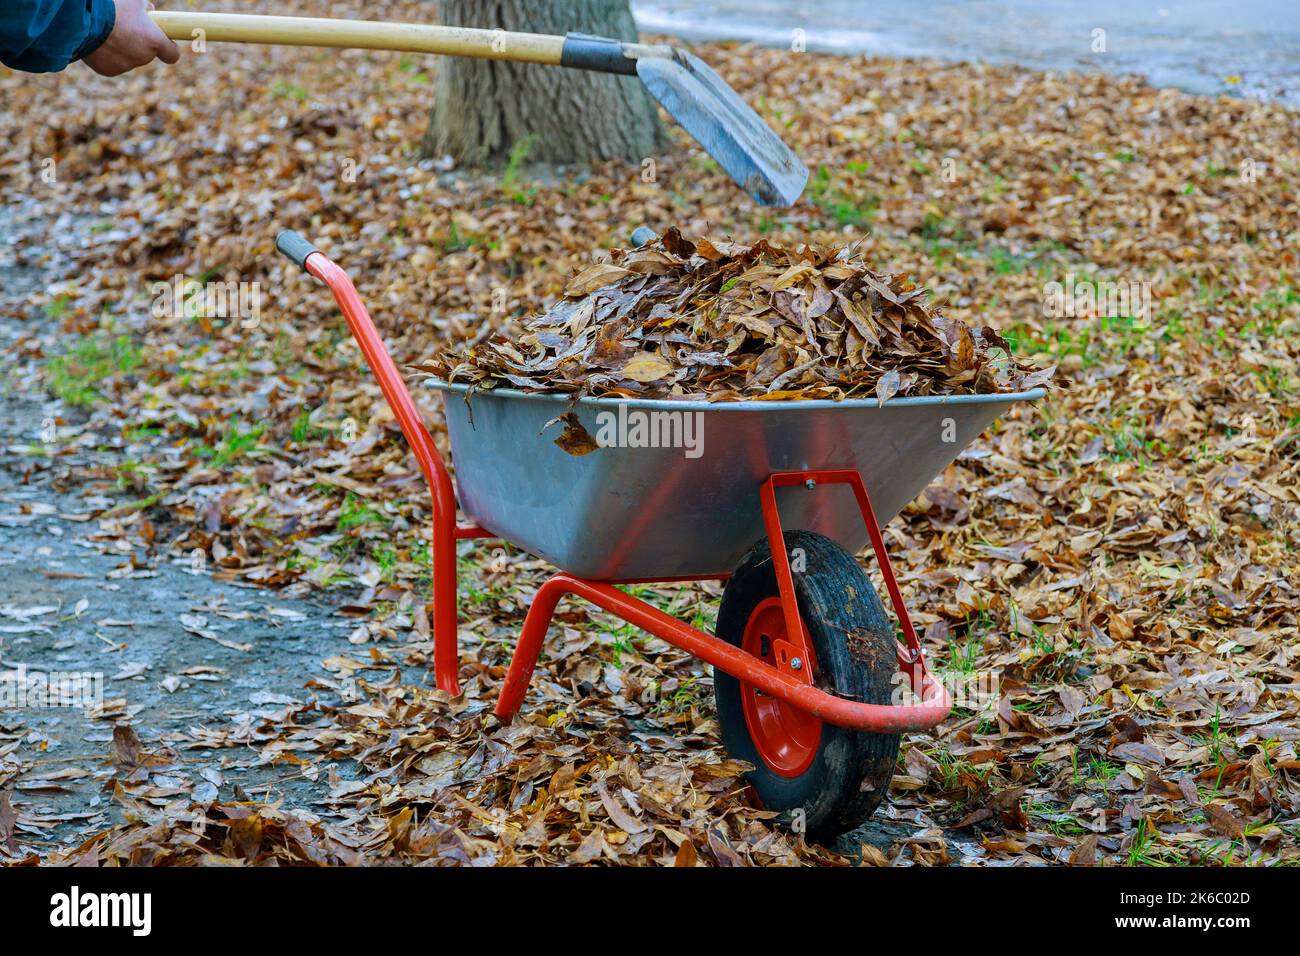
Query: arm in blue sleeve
[44, 36]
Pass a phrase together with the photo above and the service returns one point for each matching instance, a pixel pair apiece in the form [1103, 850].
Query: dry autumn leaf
[594, 277]
[575, 439]
[646, 367]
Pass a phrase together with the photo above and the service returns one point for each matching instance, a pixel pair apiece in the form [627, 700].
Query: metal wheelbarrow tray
[806, 662]
[640, 513]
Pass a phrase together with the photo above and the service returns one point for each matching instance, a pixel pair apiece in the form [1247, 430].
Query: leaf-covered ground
[1121, 558]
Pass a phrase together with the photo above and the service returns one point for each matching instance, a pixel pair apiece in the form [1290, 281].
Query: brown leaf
[595, 277]
[1224, 820]
[686, 855]
[873, 856]
[722, 851]
[678, 246]
[591, 848]
[575, 439]
[621, 818]
[126, 745]
[1139, 753]
[887, 387]
[1085, 853]
[646, 367]
[795, 273]
[246, 834]
[919, 764]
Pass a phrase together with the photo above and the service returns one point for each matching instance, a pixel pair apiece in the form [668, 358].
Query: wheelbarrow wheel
[823, 779]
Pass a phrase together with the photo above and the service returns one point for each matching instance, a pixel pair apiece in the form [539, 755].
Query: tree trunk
[485, 108]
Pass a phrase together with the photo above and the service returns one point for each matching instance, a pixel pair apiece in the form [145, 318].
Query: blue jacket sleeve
[44, 36]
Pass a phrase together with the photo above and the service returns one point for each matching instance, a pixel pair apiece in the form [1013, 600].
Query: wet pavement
[1250, 48]
[190, 663]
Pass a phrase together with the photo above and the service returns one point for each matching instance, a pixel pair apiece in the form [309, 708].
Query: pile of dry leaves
[724, 321]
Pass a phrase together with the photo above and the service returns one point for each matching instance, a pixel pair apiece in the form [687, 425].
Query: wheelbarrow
[813, 684]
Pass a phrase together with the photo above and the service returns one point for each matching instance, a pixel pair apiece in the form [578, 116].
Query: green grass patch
[839, 204]
[284, 90]
[236, 443]
[356, 512]
[510, 176]
[76, 376]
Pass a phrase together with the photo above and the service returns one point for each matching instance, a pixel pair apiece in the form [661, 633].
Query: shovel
[696, 97]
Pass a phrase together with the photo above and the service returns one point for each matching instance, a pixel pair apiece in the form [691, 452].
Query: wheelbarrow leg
[446, 650]
[536, 623]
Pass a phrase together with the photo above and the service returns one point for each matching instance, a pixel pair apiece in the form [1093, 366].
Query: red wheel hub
[784, 736]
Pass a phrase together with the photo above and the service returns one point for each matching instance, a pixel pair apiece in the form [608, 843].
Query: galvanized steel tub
[625, 513]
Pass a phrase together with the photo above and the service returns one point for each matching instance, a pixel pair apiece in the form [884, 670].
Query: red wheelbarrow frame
[790, 684]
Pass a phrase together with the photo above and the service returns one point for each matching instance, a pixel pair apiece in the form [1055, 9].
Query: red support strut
[910, 655]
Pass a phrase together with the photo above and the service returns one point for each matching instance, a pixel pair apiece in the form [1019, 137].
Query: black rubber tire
[854, 643]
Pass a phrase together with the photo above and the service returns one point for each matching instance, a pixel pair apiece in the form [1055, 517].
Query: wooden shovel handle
[363, 34]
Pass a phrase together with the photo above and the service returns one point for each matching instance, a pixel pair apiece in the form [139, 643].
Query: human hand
[135, 41]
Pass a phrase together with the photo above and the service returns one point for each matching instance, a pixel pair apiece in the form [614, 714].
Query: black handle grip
[581, 51]
[294, 247]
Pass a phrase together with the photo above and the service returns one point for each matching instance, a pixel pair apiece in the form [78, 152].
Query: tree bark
[485, 108]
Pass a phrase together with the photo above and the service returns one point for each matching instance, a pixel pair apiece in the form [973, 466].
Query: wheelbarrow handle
[294, 247]
[445, 532]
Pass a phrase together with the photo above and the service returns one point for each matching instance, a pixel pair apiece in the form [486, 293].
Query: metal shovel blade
[732, 133]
